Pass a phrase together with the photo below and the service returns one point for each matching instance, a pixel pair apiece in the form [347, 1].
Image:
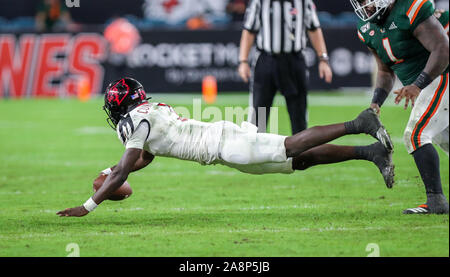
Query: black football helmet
[122, 96]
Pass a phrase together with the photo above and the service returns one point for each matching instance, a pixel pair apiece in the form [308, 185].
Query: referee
[280, 28]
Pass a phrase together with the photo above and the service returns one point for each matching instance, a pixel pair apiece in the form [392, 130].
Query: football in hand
[124, 191]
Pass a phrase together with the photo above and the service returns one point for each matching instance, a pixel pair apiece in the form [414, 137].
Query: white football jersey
[172, 136]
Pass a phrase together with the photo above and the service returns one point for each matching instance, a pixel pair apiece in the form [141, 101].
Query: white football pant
[428, 122]
[251, 152]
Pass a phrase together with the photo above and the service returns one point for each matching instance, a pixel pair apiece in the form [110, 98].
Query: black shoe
[368, 122]
[382, 158]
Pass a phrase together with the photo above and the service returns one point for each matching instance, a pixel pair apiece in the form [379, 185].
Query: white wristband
[90, 205]
[107, 171]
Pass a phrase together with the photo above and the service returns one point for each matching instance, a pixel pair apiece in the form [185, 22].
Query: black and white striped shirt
[281, 25]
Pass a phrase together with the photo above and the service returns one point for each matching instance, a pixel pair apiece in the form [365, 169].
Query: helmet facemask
[113, 116]
[371, 10]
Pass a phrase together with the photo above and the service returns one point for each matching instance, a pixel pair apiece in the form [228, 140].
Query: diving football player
[149, 129]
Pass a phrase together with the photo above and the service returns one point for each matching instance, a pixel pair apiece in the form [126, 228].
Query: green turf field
[51, 150]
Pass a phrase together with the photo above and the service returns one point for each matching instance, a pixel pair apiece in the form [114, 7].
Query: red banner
[51, 65]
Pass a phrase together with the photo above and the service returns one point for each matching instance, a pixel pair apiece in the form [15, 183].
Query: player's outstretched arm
[112, 183]
[384, 83]
[145, 159]
[119, 175]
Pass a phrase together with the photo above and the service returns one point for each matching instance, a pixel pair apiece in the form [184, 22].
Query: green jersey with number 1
[394, 41]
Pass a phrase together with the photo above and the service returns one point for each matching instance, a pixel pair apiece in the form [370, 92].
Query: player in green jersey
[412, 44]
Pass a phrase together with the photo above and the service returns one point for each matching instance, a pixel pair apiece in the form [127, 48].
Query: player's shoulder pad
[417, 11]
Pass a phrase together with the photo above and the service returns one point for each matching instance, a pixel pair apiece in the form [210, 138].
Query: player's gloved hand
[376, 108]
[410, 92]
[77, 211]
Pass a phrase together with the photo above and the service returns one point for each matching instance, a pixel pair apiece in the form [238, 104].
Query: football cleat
[436, 204]
[368, 122]
[382, 158]
[421, 209]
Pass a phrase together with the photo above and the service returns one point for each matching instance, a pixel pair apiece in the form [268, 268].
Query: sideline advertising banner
[55, 65]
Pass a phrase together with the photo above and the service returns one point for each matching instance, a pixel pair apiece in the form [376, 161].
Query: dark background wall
[98, 11]
[89, 12]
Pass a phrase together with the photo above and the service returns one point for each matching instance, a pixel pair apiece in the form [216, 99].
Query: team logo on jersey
[372, 33]
[382, 30]
[365, 28]
[393, 26]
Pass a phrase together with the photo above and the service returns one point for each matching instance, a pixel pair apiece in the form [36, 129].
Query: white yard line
[208, 209]
[223, 231]
[251, 208]
[94, 130]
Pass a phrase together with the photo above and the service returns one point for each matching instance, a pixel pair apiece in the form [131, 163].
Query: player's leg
[367, 122]
[427, 162]
[260, 153]
[329, 153]
[241, 146]
[429, 118]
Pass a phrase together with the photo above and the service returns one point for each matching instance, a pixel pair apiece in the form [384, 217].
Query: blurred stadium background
[53, 148]
[170, 45]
